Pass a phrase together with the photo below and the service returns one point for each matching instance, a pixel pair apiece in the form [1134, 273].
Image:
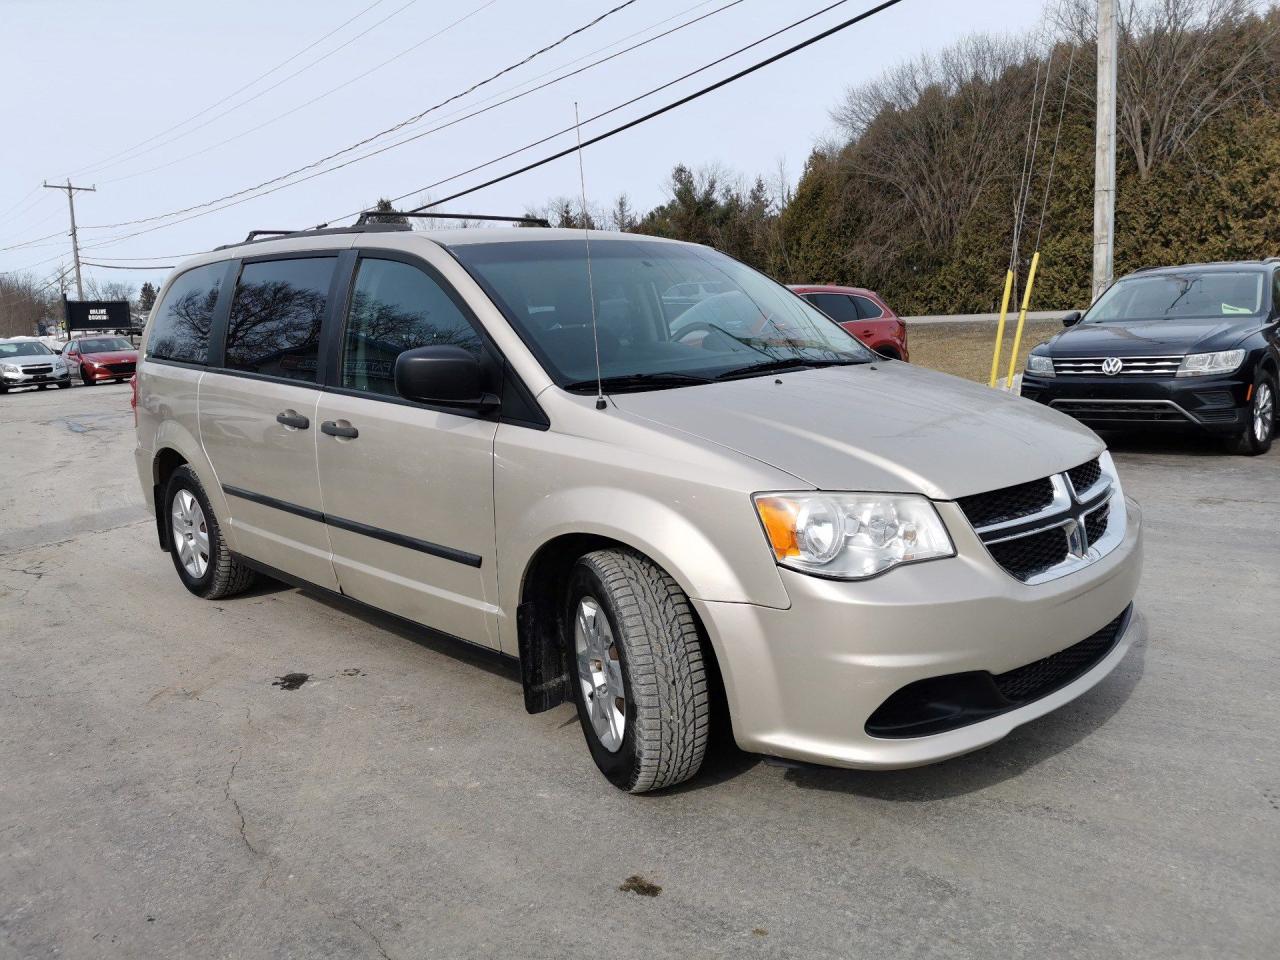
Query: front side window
[181, 321]
[105, 345]
[396, 307]
[654, 327]
[276, 317]
[1181, 296]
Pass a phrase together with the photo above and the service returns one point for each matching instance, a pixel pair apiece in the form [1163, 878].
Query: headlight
[1039, 365]
[1203, 364]
[851, 536]
[12, 368]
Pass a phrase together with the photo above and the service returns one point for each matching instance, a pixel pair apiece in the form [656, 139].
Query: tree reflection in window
[276, 317]
[396, 307]
[181, 325]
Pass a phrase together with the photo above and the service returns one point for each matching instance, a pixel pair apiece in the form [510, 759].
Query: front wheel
[639, 677]
[1260, 418]
[204, 564]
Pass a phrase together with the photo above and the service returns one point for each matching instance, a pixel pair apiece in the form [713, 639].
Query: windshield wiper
[639, 381]
[791, 363]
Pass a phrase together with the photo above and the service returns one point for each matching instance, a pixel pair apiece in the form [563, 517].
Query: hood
[888, 427]
[27, 360]
[113, 356]
[1137, 338]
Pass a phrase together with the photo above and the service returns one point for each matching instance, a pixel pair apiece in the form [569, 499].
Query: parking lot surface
[160, 796]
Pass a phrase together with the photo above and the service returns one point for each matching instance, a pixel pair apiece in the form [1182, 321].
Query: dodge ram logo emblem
[1112, 365]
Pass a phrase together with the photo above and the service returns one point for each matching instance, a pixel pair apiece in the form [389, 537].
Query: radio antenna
[591, 286]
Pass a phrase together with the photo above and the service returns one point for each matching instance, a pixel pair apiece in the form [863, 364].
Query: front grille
[1024, 557]
[1042, 677]
[938, 704]
[120, 367]
[1007, 503]
[34, 371]
[1216, 416]
[1129, 366]
[1085, 476]
[1121, 411]
[1095, 524]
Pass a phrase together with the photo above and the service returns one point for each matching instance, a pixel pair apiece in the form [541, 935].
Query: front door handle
[339, 428]
[292, 418]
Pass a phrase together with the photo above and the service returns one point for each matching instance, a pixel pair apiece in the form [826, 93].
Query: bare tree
[24, 302]
[1181, 63]
[96, 289]
[623, 216]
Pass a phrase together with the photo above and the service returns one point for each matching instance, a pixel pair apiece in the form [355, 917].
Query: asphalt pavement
[162, 795]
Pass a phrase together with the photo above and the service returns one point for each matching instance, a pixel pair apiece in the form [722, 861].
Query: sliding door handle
[292, 418]
[339, 428]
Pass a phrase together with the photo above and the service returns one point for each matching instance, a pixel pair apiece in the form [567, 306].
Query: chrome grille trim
[1069, 511]
[1133, 366]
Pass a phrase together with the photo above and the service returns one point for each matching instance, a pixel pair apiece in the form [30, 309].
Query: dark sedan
[1191, 347]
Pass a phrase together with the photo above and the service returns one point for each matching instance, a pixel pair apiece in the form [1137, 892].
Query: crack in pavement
[373, 938]
[236, 803]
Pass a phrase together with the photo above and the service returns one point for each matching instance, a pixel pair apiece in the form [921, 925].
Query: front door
[407, 489]
[258, 415]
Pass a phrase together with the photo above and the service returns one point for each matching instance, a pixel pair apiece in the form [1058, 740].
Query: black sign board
[98, 315]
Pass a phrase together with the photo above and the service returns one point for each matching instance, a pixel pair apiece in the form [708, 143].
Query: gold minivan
[676, 510]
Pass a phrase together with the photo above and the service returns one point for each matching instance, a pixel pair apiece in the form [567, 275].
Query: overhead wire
[367, 140]
[213, 106]
[304, 105]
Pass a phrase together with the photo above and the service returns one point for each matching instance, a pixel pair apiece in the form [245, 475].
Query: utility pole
[1104, 175]
[75, 243]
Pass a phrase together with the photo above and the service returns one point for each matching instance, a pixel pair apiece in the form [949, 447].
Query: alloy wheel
[1264, 412]
[190, 534]
[600, 673]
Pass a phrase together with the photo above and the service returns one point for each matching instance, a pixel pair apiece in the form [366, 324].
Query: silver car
[680, 514]
[26, 362]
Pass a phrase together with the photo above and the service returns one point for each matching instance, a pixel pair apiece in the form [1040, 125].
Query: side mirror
[1071, 319]
[445, 375]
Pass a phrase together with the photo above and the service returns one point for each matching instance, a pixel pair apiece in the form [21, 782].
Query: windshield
[666, 313]
[24, 348]
[105, 345]
[1180, 296]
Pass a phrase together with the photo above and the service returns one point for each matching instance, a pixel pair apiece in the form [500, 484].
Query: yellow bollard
[1004, 311]
[1022, 318]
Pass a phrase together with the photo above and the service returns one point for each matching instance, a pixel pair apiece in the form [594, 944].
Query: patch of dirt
[638, 884]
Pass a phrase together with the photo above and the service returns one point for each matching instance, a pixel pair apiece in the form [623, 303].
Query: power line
[303, 106]
[264, 92]
[376, 136]
[664, 109]
[108, 266]
[232, 94]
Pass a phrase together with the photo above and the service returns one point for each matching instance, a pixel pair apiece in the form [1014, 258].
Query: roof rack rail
[262, 236]
[366, 217]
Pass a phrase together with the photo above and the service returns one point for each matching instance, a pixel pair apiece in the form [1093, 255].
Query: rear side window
[396, 307]
[835, 305]
[276, 316]
[181, 321]
[868, 309]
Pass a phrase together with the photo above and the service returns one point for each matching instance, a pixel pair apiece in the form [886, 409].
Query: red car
[96, 359]
[863, 314]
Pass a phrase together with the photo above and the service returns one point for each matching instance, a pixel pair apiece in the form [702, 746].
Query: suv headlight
[851, 536]
[1040, 365]
[1203, 364]
[12, 368]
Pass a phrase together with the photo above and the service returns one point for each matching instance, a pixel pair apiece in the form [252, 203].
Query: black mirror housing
[1072, 318]
[444, 375]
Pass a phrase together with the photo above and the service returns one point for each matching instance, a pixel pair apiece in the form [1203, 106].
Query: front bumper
[803, 682]
[1212, 404]
[31, 380]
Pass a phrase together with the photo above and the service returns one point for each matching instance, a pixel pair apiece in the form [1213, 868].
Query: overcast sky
[87, 82]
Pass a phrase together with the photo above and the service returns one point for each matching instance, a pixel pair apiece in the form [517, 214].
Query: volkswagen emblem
[1112, 365]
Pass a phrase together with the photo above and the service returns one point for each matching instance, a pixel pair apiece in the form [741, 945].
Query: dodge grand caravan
[674, 512]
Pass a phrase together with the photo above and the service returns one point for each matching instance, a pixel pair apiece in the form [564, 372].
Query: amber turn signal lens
[779, 518]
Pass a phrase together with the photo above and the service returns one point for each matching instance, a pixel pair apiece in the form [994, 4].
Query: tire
[220, 575]
[85, 380]
[652, 636]
[1260, 418]
[3, 389]
[63, 384]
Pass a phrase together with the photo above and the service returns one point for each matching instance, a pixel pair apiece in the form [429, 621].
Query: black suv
[1194, 346]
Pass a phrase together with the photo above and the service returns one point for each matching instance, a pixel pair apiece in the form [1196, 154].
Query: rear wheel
[204, 564]
[640, 681]
[1260, 418]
